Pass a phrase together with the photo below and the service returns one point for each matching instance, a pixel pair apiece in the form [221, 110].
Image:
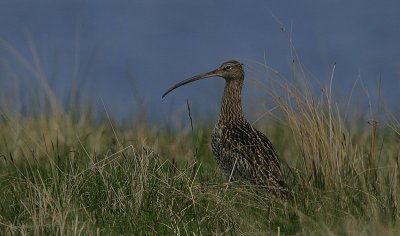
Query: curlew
[241, 151]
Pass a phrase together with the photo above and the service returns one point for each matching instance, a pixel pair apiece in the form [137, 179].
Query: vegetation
[65, 172]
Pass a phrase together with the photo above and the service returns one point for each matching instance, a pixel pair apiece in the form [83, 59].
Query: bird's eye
[228, 67]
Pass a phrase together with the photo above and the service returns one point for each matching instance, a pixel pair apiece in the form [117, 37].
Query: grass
[64, 172]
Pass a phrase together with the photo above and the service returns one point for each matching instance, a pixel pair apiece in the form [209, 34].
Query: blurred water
[124, 50]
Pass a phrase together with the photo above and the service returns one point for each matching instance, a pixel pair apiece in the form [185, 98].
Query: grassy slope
[74, 177]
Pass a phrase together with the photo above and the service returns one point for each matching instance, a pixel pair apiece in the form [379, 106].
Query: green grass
[65, 172]
[96, 180]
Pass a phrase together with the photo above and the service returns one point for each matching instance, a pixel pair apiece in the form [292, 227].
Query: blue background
[129, 52]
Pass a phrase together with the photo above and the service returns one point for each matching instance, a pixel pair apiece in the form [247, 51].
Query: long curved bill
[198, 77]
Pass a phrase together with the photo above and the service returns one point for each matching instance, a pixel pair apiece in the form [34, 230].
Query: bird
[241, 151]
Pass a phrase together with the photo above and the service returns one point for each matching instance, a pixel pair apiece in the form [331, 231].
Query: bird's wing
[251, 143]
[254, 147]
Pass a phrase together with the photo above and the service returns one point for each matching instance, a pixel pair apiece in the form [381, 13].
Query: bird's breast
[216, 140]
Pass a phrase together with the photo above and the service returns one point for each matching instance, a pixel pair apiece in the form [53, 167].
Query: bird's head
[230, 71]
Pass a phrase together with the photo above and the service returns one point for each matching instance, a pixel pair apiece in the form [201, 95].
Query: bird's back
[244, 152]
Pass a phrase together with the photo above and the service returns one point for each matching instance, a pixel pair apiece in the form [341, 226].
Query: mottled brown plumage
[241, 151]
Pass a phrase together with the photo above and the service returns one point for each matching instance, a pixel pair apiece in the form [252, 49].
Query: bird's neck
[231, 107]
